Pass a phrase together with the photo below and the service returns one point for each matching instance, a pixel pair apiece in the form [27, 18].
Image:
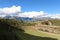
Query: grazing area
[56, 22]
[11, 29]
[48, 26]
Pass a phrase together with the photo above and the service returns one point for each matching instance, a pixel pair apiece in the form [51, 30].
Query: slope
[15, 30]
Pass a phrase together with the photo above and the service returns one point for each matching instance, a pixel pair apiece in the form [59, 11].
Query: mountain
[18, 18]
[28, 19]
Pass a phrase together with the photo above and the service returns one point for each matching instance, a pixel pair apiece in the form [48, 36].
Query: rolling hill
[11, 29]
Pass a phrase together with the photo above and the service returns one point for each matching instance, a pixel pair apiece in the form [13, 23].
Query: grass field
[10, 31]
[32, 34]
[56, 22]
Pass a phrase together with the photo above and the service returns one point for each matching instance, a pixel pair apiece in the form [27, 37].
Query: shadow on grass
[25, 36]
[13, 33]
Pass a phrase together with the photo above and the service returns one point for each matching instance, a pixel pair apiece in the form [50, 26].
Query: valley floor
[33, 34]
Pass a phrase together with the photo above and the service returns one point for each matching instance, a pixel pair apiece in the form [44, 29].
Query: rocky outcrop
[46, 22]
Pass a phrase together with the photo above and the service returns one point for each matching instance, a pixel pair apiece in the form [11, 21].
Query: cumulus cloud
[10, 10]
[32, 14]
[16, 11]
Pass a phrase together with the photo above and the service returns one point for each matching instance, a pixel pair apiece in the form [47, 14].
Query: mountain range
[37, 18]
[27, 18]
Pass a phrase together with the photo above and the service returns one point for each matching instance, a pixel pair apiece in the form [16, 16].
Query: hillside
[48, 26]
[8, 29]
[56, 22]
[11, 29]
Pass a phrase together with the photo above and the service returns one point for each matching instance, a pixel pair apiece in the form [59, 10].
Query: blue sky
[49, 6]
[31, 8]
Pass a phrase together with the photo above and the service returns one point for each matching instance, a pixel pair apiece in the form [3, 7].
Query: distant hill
[27, 19]
[56, 22]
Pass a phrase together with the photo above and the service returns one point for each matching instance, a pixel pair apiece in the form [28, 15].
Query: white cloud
[10, 10]
[55, 16]
[32, 14]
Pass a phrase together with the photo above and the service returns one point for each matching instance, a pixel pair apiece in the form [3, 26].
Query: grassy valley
[11, 29]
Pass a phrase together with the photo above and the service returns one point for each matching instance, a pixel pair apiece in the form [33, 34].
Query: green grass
[31, 34]
[56, 22]
[42, 34]
[8, 31]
